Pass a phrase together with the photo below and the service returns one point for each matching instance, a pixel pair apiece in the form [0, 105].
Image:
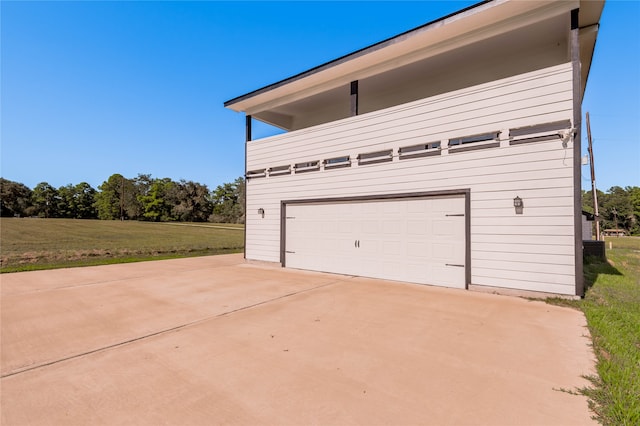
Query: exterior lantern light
[261, 211]
[518, 204]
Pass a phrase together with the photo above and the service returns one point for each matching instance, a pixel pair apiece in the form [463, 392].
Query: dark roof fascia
[593, 51]
[349, 56]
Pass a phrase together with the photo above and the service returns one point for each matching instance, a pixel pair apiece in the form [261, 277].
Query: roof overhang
[479, 22]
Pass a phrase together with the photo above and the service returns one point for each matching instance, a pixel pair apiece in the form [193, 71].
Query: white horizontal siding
[505, 247]
[544, 196]
[522, 230]
[507, 212]
[540, 284]
[546, 259]
[521, 221]
[398, 173]
[520, 239]
[509, 265]
[545, 93]
[378, 184]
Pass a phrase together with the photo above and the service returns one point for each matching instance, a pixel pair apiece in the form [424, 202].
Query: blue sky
[89, 88]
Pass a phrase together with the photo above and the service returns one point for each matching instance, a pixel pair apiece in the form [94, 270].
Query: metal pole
[593, 180]
[248, 136]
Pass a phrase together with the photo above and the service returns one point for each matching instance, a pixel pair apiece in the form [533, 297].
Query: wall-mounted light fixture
[518, 204]
[261, 211]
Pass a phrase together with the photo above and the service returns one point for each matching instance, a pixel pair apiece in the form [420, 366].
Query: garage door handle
[453, 264]
[457, 214]
[290, 252]
[356, 244]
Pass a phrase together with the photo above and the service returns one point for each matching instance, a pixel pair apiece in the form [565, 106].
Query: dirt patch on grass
[33, 257]
[57, 259]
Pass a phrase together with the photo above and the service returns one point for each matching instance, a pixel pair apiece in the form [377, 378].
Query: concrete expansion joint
[40, 290]
[277, 298]
[115, 280]
[161, 332]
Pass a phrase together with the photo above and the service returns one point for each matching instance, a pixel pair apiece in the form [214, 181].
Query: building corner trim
[577, 152]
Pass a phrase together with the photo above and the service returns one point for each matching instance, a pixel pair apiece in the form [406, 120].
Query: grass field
[612, 308]
[30, 244]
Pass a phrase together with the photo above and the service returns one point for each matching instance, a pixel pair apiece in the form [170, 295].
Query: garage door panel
[442, 228]
[368, 247]
[398, 239]
[392, 248]
[419, 206]
[337, 264]
[417, 269]
[448, 252]
[419, 251]
[330, 243]
[417, 227]
[329, 227]
[447, 274]
[460, 251]
[345, 227]
[391, 207]
[370, 227]
[443, 251]
[389, 227]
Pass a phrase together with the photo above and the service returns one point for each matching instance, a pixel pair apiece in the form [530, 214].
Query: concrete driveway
[214, 340]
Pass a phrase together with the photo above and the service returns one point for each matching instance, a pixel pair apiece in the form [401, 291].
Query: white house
[447, 155]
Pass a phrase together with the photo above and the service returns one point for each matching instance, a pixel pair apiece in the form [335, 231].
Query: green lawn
[612, 308]
[29, 244]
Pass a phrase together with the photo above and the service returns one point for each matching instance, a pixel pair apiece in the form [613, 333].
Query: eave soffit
[476, 23]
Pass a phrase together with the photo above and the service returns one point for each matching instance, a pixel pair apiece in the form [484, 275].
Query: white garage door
[418, 240]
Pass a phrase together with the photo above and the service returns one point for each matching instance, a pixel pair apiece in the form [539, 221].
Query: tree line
[139, 198]
[162, 199]
[618, 208]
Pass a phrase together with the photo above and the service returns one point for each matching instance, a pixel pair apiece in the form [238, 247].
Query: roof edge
[349, 56]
